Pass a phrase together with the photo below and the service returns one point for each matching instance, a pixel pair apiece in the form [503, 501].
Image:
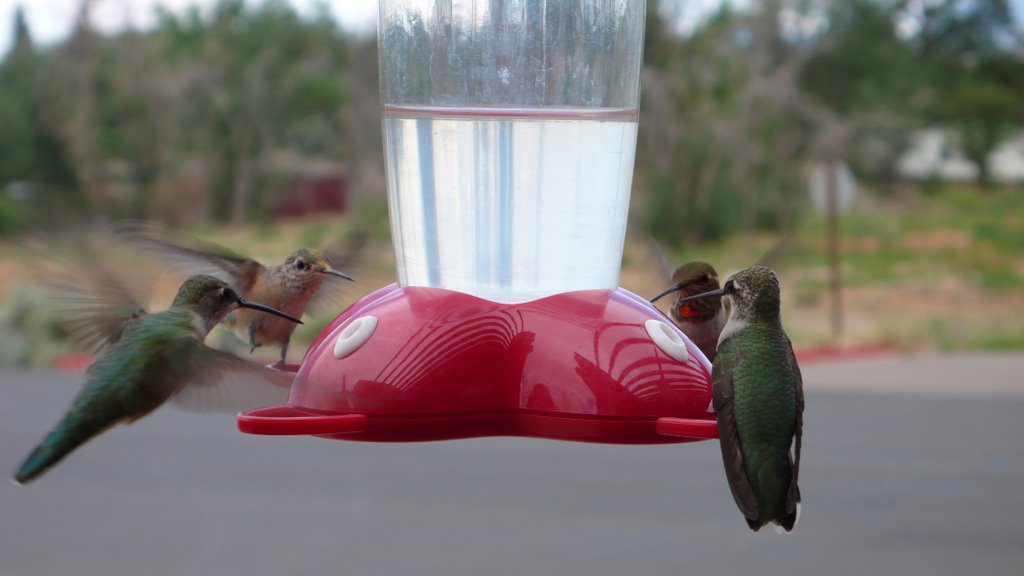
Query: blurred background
[871, 151]
[256, 124]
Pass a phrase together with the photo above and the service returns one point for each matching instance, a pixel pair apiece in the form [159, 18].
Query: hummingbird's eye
[706, 278]
[300, 264]
[225, 294]
[729, 287]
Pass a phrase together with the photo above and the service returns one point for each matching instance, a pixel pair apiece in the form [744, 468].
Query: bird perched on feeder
[151, 358]
[758, 399]
[305, 280]
[701, 320]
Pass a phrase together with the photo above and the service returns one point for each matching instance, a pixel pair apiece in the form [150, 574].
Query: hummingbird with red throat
[701, 320]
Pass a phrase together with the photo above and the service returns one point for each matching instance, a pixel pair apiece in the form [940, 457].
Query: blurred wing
[345, 252]
[226, 383]
[658, 255]
[95, 306]
[197, 257]
[345, 255]
[330, 298]
[732, 454]
[777, 250]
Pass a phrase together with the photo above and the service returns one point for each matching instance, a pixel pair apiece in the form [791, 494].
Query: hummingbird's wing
[793, 498]
[776, 251]
[96, 306]
[722, 397]
[194, 257]
[658, 255]
[223, 382]
[345, 254]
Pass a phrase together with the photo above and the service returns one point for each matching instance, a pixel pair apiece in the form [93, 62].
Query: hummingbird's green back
[139, 372]
[758, 400]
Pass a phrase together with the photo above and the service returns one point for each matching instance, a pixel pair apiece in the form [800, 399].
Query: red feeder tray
[415, 364]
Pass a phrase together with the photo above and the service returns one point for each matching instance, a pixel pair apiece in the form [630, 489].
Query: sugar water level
[509, 204]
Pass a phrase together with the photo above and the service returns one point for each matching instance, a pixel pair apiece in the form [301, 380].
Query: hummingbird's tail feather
[73, 431]
[789, 519]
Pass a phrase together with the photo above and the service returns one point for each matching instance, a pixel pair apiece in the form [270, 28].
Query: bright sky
[51, 20]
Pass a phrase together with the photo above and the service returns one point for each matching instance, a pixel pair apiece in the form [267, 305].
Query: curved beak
[333, 272]
[719, 292]
[268, 310]
[666, 291]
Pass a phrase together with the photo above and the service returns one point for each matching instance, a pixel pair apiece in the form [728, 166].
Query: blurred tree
[256, 79]
[724, 130]
[361, 121]
[18, 78]
[868, 77]
[186, 120]
[975, 53]
[35, 168]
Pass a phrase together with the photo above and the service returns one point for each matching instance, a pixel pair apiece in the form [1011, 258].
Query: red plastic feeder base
[417, 364]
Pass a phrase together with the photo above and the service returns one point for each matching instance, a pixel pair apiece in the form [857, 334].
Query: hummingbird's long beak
[334, 272]
[268, 310]
[667, 291]
[702, 295]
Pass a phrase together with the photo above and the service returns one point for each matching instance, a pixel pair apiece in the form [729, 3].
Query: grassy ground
[943, 270]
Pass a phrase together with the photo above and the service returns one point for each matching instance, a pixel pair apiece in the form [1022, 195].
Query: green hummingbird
[305, 280]
[758, 397]
[701, 320]
[149, 359]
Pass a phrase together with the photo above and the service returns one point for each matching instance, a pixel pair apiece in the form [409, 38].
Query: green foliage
[972, 53]
[207, 98]
[865, 64]
[254, 94]
[13, 215]
[717, 153]
[30, 330]
[184, 121]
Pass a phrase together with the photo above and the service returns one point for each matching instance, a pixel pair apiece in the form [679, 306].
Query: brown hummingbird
[701, 320]
[305, 280]
[148, 359]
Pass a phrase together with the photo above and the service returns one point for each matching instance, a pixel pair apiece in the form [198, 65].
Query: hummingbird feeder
[510, 133]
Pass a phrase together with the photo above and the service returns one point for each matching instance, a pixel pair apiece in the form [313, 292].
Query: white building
[934, 153]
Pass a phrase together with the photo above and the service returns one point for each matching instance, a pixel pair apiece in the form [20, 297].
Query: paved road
[897, 480]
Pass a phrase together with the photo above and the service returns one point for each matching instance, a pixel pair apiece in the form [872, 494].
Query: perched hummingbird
[759, 400]
[149, 359]
[701, 320]
[301, 281]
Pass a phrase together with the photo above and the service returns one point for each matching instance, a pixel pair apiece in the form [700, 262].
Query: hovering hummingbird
[149, 359]
[758, 399]
[701, 320]
[300, 282]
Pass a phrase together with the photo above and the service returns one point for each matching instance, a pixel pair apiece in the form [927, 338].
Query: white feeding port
[667, 339]
[354, 336]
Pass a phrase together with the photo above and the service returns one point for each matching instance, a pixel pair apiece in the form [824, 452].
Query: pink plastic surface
[442, 365]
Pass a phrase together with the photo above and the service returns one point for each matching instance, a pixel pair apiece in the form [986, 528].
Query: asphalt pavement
[912, 466]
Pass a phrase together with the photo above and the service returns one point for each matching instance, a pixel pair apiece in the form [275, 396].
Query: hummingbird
[701, 320]
[757, 393]
[149, 359]
[300, 282]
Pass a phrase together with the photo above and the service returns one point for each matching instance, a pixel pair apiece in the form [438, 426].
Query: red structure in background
[303, 186]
